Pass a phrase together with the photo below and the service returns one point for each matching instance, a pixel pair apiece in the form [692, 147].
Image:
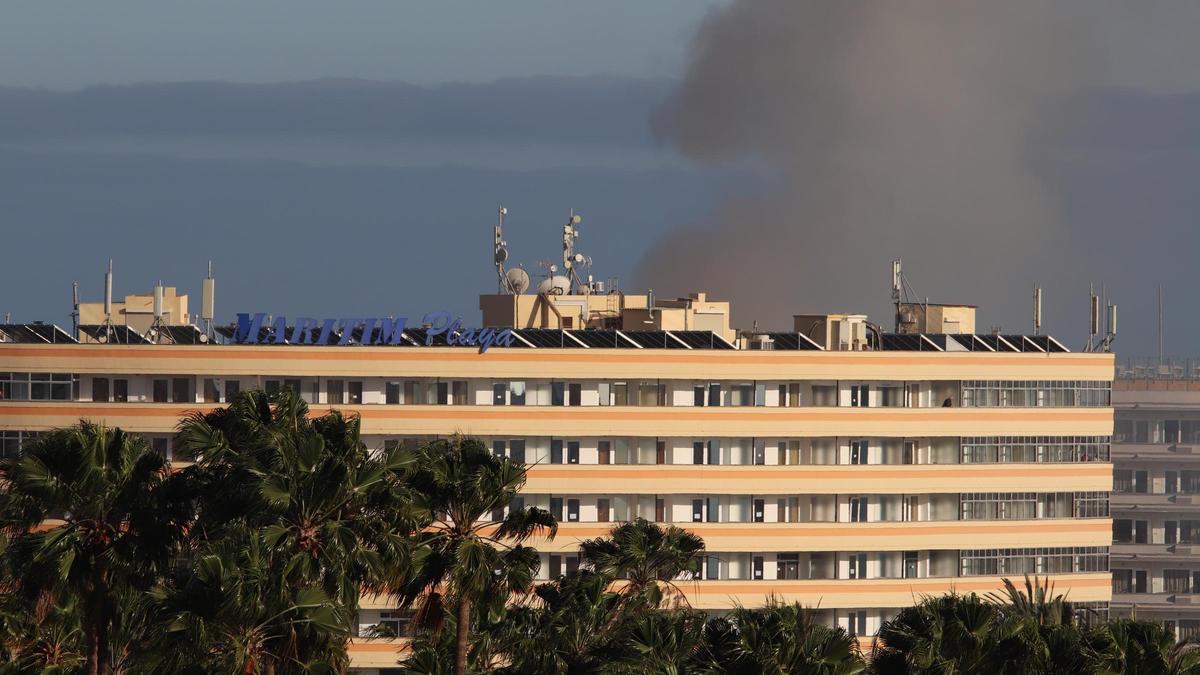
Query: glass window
[160, 389]
[556, 393]
[516, 393]
[100, 389]
[232, 389]
[211, 393]
[120, 390]
[335, 392]
[391, 393]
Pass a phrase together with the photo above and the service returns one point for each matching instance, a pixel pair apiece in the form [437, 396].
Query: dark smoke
[898, 128]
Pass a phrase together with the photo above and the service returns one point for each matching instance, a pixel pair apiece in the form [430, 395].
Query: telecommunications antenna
[518, 280]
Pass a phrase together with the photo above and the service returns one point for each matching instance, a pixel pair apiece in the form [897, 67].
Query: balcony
[603, 421]
[877, 536]
[649, 479]
[1121, 502]
[1122, 552]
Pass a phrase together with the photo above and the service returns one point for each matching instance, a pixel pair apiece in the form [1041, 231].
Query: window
[712, 567]
[891, 397]
[910, 564]
[391, 393]
[1177, 581]
[858, 509]
[499, 393]
[605, 391]
[575, 394]
[160, 391]
[335, 392]
[556, 393]
[760, 454]
[760, 508]
[459, 392]
[910, 453]
[556, 568]
[556, 451]
[697, 452]
[714, 452]
[211, 393]
[698, 396]
[516, 393]
[660, 510]
[355, 390]
[572, 452]
[100, 389]
[652, 393]
[856, 623]
[121, 390]
[573, 510]
[697, 510]
[442, 395]
[516, 450]
[1172, 482]
[159, 445]
[660, 452]
[714, 510]
[272, 387]
[856, 566]
[602, 510]
[498, 448]
[787, 566]
[181, 390]
[556, 508]
[859, 452]
[757, 565]
[714, 394]
[604, 452]
[620, 391]
[294, 385]
[860, 395]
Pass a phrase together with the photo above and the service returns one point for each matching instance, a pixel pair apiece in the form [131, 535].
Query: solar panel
[34, 333]
[185, 335]
[597, 338]
[114, 334]
[649, 339]
[789, 341]
[898, 342]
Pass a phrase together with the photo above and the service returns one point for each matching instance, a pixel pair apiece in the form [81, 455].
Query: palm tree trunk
[463, 630]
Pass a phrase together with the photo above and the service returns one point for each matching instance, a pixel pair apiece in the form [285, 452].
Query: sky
[347, 159]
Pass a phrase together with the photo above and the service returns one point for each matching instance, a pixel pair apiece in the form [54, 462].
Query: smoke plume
[900, 128]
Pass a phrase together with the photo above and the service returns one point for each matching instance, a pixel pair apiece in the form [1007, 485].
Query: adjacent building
[834, 465]
[1156, 493]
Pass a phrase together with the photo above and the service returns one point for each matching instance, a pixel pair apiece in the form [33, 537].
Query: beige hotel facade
[833, 465]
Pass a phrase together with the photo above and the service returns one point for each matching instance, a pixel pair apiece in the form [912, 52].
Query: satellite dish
[518, 280]
[555, 285]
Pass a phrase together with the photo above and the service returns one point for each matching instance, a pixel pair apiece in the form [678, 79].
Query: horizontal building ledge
[817, 479]
[355, 361]
[878, 536]
[607, 421]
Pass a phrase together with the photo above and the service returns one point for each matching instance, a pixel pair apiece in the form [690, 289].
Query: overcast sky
[347, 158]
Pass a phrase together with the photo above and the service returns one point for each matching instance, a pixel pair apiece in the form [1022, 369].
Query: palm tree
[563, 631]
[473, 558]
[1137, 647]
[317, 511]
[646, 556]
[949, 634]
[779, 638]
[112, 528]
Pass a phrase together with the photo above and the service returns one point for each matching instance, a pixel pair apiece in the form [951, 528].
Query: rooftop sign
[374, 331]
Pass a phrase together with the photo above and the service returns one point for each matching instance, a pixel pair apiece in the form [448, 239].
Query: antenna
[1160, 332]
[1037, 310]
[208, 297]
[75, 308]
[158, 331]
[572, 260]
[109, 332]
[500, 254]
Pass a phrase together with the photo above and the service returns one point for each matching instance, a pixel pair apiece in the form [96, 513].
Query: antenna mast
[110, 332]
[1037, 310]
[501, 254]
[571, 259]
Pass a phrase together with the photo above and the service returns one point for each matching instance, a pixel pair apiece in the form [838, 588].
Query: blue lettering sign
[251, 327]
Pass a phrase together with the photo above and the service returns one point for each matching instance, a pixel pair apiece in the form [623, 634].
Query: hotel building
[1156, 493]
[834, 465]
